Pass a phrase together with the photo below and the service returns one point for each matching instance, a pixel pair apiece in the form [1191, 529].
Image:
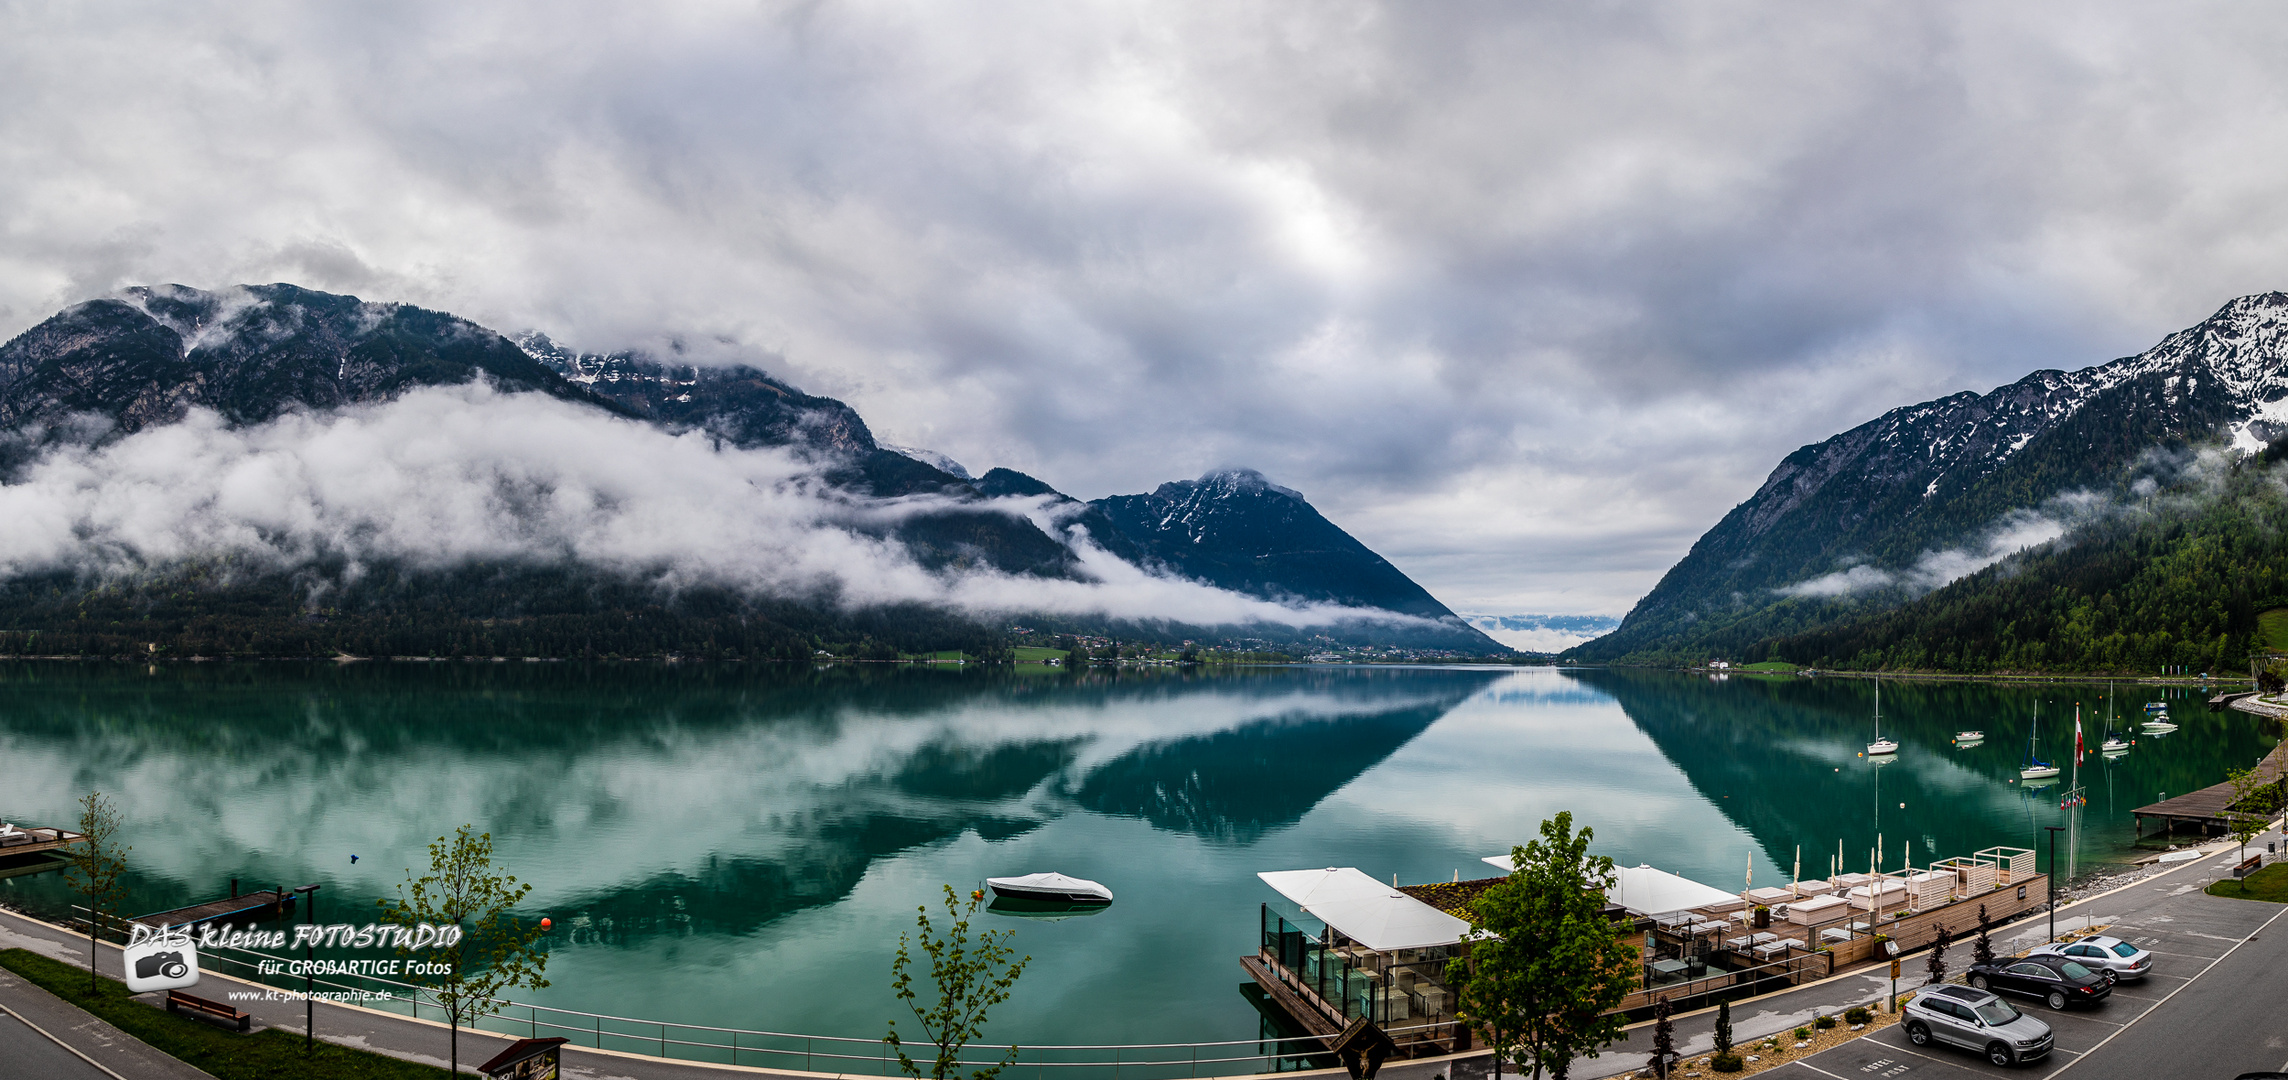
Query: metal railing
[805, 1052]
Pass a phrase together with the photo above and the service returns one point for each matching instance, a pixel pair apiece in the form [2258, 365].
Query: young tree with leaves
[2241, 817]
[1982, 951]
[1542, 965]
[494, 952]
[1937, 964]
[970, 979]
[94, 867]
[1723, 1027]
[1663, 1037]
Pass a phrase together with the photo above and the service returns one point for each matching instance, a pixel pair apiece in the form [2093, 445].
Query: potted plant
[1763, 917]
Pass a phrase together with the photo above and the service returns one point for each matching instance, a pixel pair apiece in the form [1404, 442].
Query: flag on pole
[2077, 733]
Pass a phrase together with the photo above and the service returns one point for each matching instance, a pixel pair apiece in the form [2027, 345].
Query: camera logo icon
[162, 962]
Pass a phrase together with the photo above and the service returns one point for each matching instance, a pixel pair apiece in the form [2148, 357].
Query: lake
[742, 846]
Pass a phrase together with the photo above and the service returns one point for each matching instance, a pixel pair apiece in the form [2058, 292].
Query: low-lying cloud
[451, 475]
[2018, 531]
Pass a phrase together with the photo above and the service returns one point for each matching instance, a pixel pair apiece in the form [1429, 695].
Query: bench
[177, 999]
[2248, 867]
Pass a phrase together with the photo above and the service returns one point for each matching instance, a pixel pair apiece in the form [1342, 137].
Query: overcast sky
[1526, 296]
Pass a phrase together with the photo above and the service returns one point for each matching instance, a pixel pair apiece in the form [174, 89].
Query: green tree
[1663, 1037]
[970, 980]
[95, 866]
[1982, 951]
[1542, 965]
[1937, 962]
[1723, 1027]
[489, 951]
[2241, 818]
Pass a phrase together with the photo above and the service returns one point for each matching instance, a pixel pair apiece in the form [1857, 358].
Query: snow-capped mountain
[95, 375]
[1235, 529]
[1928, 492]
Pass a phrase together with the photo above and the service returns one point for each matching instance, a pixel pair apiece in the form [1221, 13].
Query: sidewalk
[45, 1036]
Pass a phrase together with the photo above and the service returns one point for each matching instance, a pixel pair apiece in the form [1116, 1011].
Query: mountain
[1926, 495]
[144, 358]
[1237, 530]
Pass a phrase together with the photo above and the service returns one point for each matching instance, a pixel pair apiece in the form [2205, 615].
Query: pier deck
[24, 840]
[2206, 807]
[246, 907]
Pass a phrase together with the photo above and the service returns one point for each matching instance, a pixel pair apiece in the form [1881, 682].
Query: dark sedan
[2055, 979]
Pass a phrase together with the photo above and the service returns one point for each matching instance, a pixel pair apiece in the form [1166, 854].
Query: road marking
[2173, 993]
[1823, 1072]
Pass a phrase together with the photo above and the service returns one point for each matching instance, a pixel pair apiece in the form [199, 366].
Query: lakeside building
[1339, 946]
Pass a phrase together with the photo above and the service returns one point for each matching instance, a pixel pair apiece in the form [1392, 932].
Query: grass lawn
[2272, 629]
[1029, 655]
[1780, 666]
[222, 1052]
[2270, 883]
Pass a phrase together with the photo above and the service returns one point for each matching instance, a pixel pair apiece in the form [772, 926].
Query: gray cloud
[1525, 296]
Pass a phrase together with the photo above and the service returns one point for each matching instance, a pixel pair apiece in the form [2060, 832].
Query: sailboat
[2114, 745]
[1881, 747]
[2036, 768]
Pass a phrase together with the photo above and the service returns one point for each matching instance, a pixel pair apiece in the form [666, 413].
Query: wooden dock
[2206, 807]
[22, 840]
[244, 908]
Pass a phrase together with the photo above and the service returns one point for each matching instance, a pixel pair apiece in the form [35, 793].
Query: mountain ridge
[1925, 493]
[106, 369]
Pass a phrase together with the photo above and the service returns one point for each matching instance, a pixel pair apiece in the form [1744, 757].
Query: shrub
[1802, 1033]
[1823, 1022]
[1726, 1063]
[1857, 1014]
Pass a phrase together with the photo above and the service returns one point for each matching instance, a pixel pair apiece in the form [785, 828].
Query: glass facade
[1395, 988]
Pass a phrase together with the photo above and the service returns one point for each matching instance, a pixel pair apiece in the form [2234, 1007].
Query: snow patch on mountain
[931, 458]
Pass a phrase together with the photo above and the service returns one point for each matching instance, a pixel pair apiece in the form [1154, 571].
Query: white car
[2112, 954]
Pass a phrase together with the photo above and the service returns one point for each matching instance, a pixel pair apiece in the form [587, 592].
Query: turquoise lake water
[742, 846]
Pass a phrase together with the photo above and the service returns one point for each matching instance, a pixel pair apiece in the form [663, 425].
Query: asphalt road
[2209, 1009]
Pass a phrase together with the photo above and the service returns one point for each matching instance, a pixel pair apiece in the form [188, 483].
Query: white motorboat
[1881, 747]
[1050, 886]
[2114, 745]
[2156, 706]
[1968, 738]
[2159, 725]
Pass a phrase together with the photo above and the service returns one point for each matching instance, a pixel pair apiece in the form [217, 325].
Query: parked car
[1976, 1020]
[2055, 979]
[2112, 954]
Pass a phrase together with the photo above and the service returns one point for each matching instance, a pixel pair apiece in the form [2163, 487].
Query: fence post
[599, 1033]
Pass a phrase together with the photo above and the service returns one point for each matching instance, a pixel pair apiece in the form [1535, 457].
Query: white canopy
[1365, 910]
[1646, 891]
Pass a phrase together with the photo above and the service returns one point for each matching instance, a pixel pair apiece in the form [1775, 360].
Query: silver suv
[2112, 954]
[1976, 1020]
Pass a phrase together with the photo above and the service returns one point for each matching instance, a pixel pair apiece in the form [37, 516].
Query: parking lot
[2209, 1009]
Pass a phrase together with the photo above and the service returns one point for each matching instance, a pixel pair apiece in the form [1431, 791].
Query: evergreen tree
[1663, 1037]
[1982, 952]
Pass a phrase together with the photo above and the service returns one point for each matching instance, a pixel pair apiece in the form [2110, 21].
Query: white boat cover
[1646, 891]
[1053, 881]
[1367, 911]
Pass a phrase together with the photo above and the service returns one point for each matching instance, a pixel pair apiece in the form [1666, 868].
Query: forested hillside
[2175, 578]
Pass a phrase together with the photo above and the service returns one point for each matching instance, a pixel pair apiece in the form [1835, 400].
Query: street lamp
[2052, 882]
[309, 1010]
